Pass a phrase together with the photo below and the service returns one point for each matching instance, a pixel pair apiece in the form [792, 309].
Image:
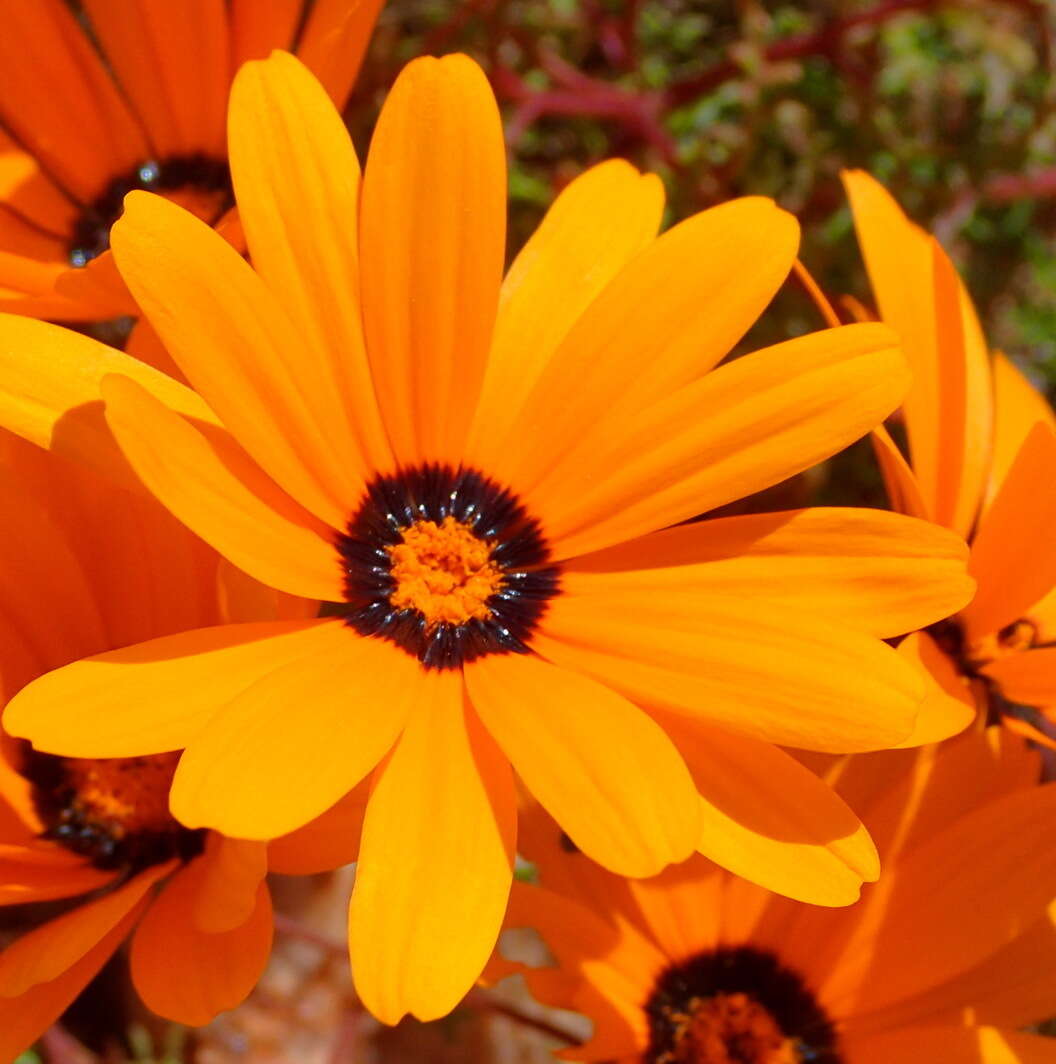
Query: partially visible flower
[946, 959]
[88, 566]
[982, 461]
[106, 96]
[480, 479]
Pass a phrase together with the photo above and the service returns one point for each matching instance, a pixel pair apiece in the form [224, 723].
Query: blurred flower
[470, 475]
[982, 461]
[123, 95]
[947, 958]
[88, 567]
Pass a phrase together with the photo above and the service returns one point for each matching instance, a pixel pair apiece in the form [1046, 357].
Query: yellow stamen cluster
[729, 1029]
[444, 571]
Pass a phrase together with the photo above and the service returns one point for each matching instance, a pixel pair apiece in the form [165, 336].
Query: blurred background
[951, 104]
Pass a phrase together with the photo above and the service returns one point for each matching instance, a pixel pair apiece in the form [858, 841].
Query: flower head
[941, 960]
[81, 127]
[475, 477]
[982, 461]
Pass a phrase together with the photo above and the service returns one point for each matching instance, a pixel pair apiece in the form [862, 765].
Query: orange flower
[946, 959]
[88, 567]
[471, 474]
[982, 447]
[80, 127]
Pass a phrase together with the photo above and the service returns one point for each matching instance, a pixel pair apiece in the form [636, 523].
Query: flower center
[445, 563]
[199, 183]
[736, 1006]
[114, 811]
[444, 571]
[729, 1029]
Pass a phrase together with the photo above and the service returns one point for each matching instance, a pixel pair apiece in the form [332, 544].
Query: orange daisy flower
[470, 474]
[946, 959]
[104, 96]
[89, 567]
[982, 461]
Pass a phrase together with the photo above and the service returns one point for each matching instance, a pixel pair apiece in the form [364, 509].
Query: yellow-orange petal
[875, 571]
[432, 236]
[296, 178]
[1017, 405]
[46, 952]
[768, 819]
[948, 707]
[741, 428]
[23, 1019]
[189, 975]
[909, 933]
[325, 843]
[49, 393]
[783, 677]
[442, 811]
[597, 224]
[334, 41]
[231, 872]
[257, 770]
[219, 492]
[900, 482]
[1013, 555]
[1028, 678]
[238, 347]
[608, 774]
[94, 707]
[668, 317]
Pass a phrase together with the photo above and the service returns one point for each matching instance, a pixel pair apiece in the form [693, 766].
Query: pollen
[125, 795]
[444, 571]
[729, 1029]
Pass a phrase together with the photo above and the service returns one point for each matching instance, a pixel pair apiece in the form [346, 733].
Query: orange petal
[232, 870]
[443, 812]
[325, 843]
[59, 100]
[900, 482]
[23, 881]
[94, 707]
[257, 771]
[608, 775]
[767, 819]
[745, 426]
[597, 224]
[172, 60]
[334, 41]
[237, 346]
[186, 974]
[909, 935]
[951, 1043]
[1013, 557]
[1028, 678]
[296, 178]
[220, 493]
[668, 317]
[1017, 405]
[25, 1018]
[875, 571]
[948, 407]
[948, 706]
[49, 393]
[774, 675]
[257, 29]
[46, 952]
[432, 242]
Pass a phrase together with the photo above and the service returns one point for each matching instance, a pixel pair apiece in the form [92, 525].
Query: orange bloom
[88, 567]
[946, 959]
[982, 461]
[471, 473]
[131, 94]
